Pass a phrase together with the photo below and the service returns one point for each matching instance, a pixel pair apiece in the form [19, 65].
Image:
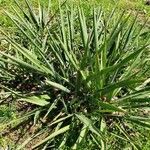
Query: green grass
[130, 5]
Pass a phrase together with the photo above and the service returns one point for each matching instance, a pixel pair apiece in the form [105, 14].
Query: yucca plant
[82, 77]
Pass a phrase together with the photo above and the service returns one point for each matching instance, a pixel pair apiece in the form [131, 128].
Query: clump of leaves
[83, 76]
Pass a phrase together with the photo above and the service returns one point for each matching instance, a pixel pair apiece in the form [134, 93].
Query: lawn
[129, 5]
[74, 76]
